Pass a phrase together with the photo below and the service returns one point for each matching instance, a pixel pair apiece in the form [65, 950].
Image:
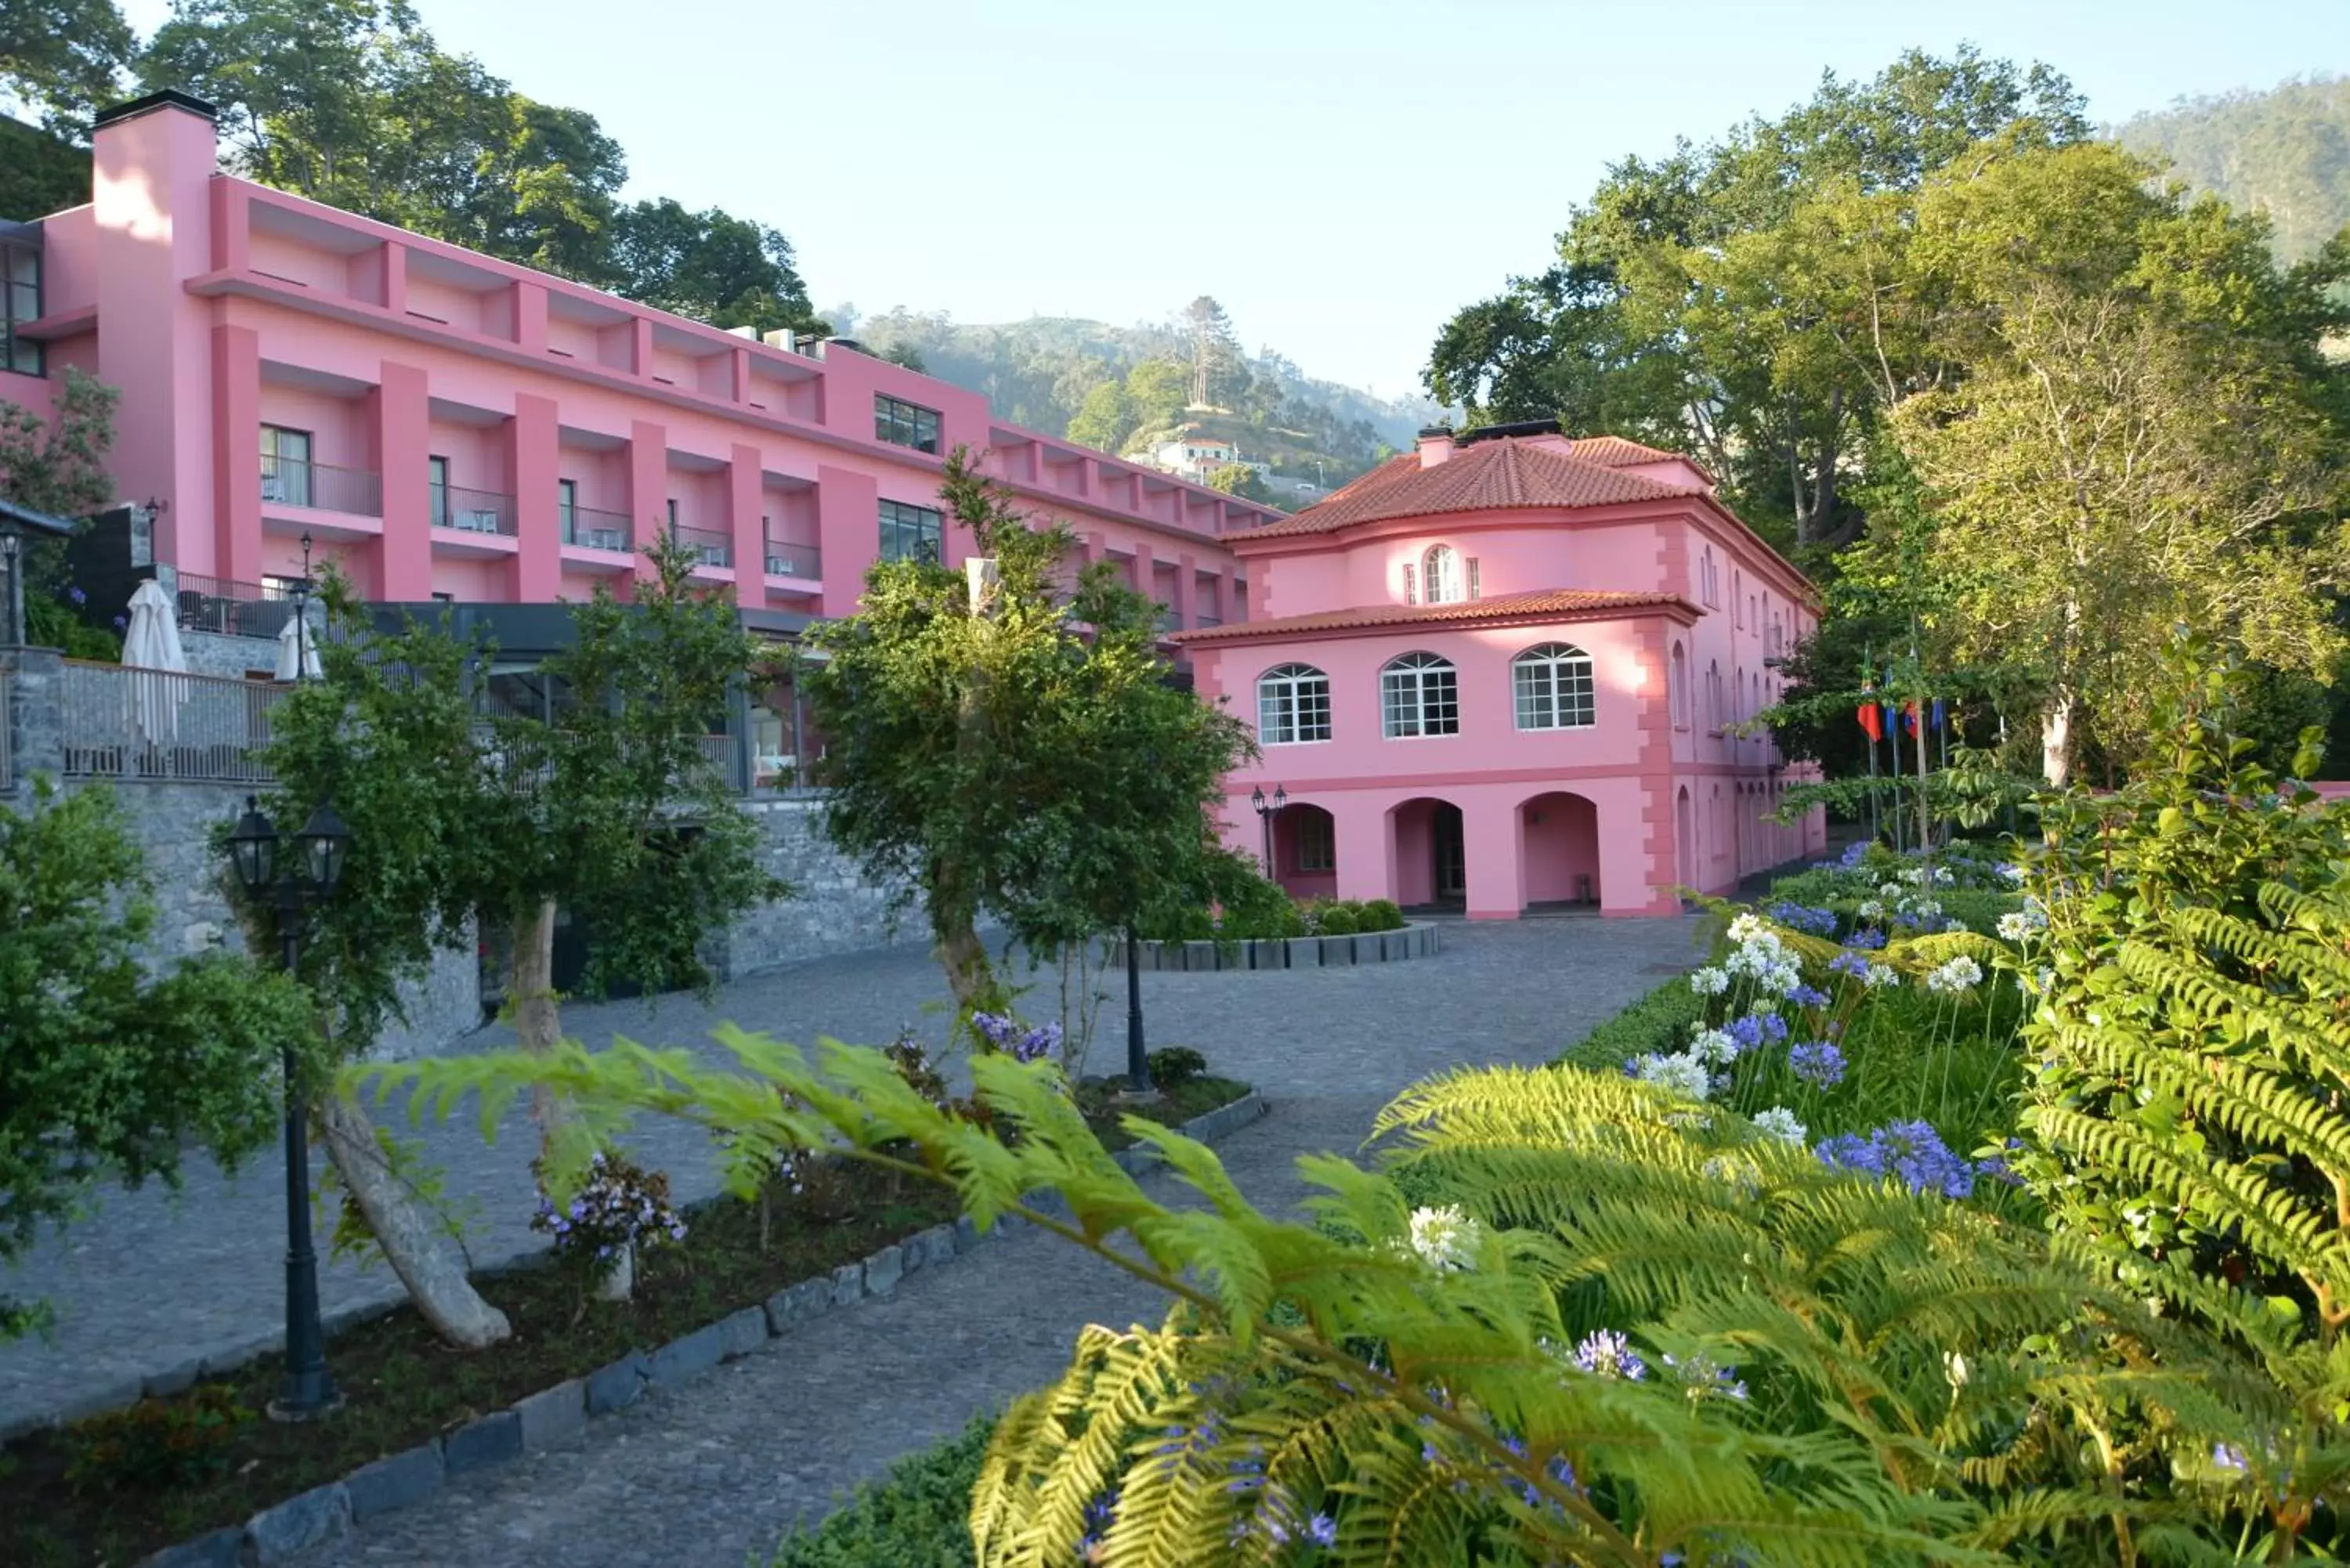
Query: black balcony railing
[789, 560]
[710, 546]
[595, 530]
[355, 490]
[230, 609]
[471, 510]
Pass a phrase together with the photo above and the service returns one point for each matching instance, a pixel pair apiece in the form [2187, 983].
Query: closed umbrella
[298, 650]
[151, 643]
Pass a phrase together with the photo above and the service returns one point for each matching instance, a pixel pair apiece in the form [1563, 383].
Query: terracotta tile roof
[1541, 604]
[1481, 477]
[1615, 451]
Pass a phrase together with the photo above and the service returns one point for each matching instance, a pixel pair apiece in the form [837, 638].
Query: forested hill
[1045, 371]
[2285, 150]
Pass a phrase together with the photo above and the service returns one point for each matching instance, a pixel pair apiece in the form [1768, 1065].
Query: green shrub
[1382, 915]
[159, 1443]
[1660, 1023]
[1341, 920]
[918, 1516]
[1173, 1065]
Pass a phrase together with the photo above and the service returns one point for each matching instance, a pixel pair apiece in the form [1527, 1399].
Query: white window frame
[1420, 697]
[1293, 706]
[1440, 576]
[1552, 683]
[1410, 583]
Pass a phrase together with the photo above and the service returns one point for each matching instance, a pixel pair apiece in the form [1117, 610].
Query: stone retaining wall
[1419, 940]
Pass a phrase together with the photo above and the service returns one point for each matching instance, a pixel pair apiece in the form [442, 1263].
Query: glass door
[1452, 859]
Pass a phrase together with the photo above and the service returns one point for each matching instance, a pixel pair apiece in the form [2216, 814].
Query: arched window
[1419, 694]
[1713, 697]
[1440, 575]
[1677, 689]
[1738, 586]
[1552, 685]
[1293, 705]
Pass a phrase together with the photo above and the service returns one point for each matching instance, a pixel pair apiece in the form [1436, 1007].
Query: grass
[61, 1506]
[917, 1516]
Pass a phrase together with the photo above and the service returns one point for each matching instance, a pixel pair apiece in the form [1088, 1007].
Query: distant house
[1194, 456]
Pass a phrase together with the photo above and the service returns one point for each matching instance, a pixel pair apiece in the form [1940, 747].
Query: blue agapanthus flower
[1870, 940]
[1746, 1031]
[1911, 1151]
[1817, 1063]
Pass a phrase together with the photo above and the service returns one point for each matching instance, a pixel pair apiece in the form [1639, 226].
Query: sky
[1341, 174]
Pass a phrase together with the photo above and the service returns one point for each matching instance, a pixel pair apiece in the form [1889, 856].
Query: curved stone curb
[558, 1416]
[1420, 939]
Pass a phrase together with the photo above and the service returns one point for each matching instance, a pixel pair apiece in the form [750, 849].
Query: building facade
[439, 424]
[1507, 672]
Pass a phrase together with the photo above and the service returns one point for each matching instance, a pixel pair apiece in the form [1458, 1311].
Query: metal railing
[230, 609]
[7, 730]
[710, 547]
[592, 529]
[123, 723]
[471, 510]
[355, 490]
[785, 559]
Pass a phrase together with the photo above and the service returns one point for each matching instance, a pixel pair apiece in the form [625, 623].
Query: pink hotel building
[1495, 673]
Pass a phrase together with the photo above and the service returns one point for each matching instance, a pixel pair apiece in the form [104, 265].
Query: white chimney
[1435, 445]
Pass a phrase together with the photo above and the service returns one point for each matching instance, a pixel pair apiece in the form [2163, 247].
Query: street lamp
[1266, 812]
[294, 881]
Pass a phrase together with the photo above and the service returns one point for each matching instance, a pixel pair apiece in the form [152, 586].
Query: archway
[1431, 866]
[1305, 851]
[1558, 835]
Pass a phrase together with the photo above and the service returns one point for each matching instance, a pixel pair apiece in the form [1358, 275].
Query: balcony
[604, 541]
[785, 559]
[126, 724]
[230, 608]
[708, 547]
[317, 486]
[473, 511]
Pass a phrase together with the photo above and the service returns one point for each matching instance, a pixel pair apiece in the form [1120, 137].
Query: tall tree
[726, 270]
[1023, 757]
[62, 58]
[1106, 419]
[1719, 300]
[1220, 374]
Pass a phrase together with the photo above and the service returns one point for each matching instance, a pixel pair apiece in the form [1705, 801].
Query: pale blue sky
[1341, 175]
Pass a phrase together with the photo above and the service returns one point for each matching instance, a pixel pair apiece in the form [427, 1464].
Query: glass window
[20, 302]
[1476, 584]
[901, 423]
[1316, 841]
[911, 532]
[1293, 705]
[1419, 694]
[1552, 687]
[566, 507]
[1410, 584]
[436, 479]
[286, 465]
[1439, 572]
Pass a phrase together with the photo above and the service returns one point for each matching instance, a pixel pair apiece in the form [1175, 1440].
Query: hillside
[2286, 150]
[1042, 373]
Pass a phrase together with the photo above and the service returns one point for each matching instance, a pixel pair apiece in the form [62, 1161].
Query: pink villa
[446, 426]
[1502, 673]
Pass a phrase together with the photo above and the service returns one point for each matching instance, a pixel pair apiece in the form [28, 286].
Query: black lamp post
[309, 873]
[1137, 1057]
[1266, 810]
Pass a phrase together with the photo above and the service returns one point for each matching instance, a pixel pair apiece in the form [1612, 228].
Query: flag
[1910, 718]
[1867, 714]
[1940, 717]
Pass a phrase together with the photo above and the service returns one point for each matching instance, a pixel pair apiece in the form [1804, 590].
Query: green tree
[1105, 418]
[1721, 300]
[1239, 479]
[1025, 758]
[59, 466]
[1219, 373]
[63, 57]
[106, 1070]
[1157, 390]
[726, 270]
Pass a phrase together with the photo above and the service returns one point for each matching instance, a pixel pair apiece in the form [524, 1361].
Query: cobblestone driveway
[715, 1477]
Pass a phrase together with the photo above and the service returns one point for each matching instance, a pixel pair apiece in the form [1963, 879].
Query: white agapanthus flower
[1888, 890]
[2015, 874]
[1779, 1123]
[1709, 980]
[1924, 908]
[1879, 975]
[1747, 927]
[1960, 974]
[1914, 875]
[1942, 877]
[1445, 1238]
[1713, 1047]
[1872, 910]
[2015, 926]
[1683, 1071]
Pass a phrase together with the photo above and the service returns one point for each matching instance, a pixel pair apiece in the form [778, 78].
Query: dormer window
[1440, 576]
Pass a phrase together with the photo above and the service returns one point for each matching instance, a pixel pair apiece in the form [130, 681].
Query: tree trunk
[961, 952]
[410, 1243]
[537, 1020]
[621, 1282]
[2056, 739]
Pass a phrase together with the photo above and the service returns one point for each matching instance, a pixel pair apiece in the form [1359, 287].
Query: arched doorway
[1431, 866]
[1305, 851]
[1558, 835]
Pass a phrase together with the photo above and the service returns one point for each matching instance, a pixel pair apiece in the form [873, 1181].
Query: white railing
[121, 722]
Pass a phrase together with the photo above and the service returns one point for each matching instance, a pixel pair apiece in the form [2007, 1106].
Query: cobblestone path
[715, 1476]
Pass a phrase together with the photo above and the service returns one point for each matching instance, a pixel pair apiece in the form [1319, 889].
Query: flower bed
[116, 1487]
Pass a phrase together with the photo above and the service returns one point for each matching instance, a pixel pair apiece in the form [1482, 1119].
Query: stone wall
[236, 658]
[833, 907]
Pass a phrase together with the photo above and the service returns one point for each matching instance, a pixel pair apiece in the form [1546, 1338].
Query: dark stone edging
[1420, 939]
[558, 1416]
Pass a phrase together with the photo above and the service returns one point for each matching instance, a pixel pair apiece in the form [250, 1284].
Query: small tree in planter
[608, 807]
[1024, 755]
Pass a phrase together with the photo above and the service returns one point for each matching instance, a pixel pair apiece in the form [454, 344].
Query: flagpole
[1896, 738]
[1869, 703]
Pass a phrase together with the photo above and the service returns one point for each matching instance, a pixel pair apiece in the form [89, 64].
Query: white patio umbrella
[298, 650]
[152, 643]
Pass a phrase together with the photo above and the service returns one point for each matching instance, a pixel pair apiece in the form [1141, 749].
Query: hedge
[917, 1516]
[1659, 1022]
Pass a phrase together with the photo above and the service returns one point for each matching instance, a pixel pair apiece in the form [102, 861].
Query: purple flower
[1774, 1028]
[77, 596]
[1848, 963]
[1321, 1529]
[1747, 1032]
[1912, 1151]
[1872, 939]
[121, 622]
[1808, 996]
[1608, 1354]
[1817, 1063]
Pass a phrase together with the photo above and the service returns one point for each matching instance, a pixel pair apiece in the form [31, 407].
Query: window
[1293, 706]
[1410, 584]
[1440, 573]
[1316, 840]
[905, 424]
[437, 482]
[911, 533]
[1476, 589]
[281, 589]
[1737, 590]
[20, 303]
[1713, 698]
[566, 507]
[1677, 690]
[286, 465]
[1419, 694]
[1552, 684]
